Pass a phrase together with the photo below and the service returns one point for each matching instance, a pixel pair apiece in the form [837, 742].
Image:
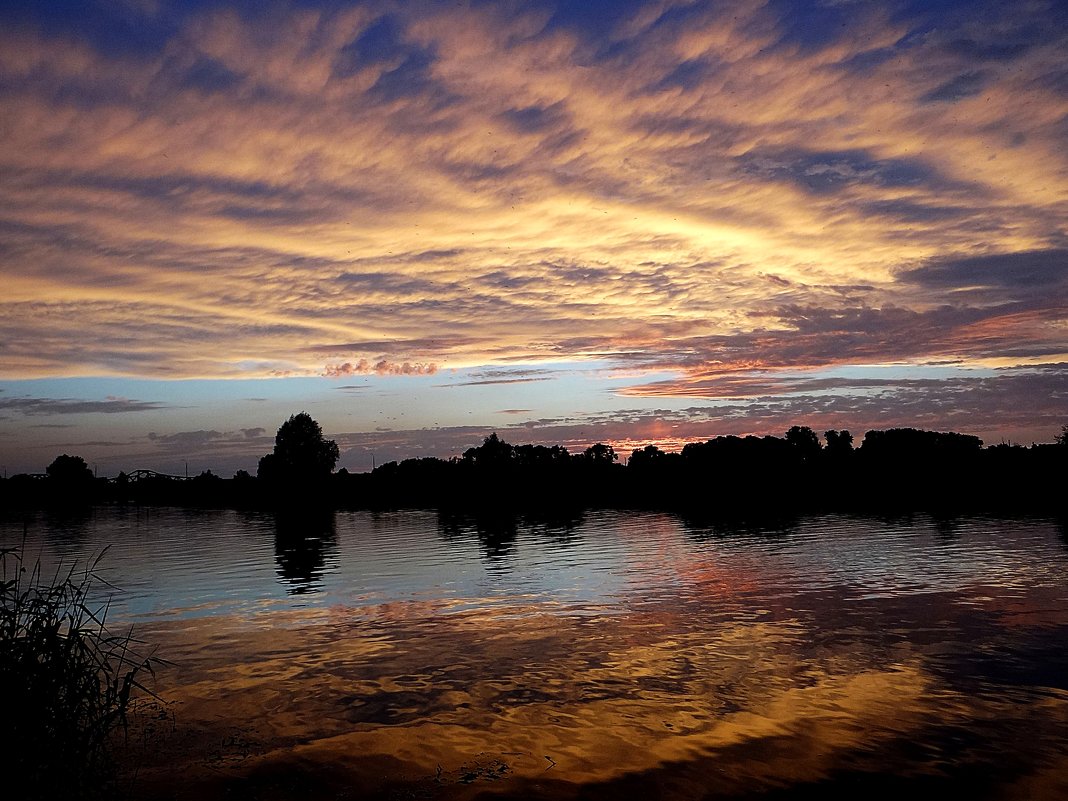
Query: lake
[608, 655]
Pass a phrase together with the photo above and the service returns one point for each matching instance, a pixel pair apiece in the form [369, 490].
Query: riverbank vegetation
[68, 681]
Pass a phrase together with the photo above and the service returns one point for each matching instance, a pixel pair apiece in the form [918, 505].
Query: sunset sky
[568, 222]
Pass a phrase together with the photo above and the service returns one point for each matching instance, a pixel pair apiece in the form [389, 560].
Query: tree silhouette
[493, 452]
[804, 440]
[69, 470]
[300, 452]
[646, 457]
[900, 469]
[600, 454]
[838, 442]
[911, 444]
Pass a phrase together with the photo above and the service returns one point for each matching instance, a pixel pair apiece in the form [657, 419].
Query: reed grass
[66, 679]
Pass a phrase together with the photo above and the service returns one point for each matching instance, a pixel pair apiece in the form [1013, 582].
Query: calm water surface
[409, 654]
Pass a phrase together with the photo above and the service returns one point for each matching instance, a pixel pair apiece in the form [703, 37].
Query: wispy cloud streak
[52, 406]
[707, 189]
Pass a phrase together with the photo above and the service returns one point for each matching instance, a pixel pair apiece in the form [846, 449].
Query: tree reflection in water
[305, 543]
[718, 529]
[498, 532]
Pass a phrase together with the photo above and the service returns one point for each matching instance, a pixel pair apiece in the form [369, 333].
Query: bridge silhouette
[143, 475]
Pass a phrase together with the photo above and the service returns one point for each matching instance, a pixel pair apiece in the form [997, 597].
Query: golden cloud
[480, 177]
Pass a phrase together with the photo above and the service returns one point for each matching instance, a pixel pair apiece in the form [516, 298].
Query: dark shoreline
[701, 497]
[895, 471]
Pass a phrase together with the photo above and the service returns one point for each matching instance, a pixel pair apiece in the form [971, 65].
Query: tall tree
[69, 470]
[838, 442]
[804, 441]
[600, 454]
[300, 451]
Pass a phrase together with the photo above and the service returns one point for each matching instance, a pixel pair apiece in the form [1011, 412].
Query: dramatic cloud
[682, 190]
[1040, 276]
[515, 177]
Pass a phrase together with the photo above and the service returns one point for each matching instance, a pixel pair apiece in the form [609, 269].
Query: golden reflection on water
[421, 700]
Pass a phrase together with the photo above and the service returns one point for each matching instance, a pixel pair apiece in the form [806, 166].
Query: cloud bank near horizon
[1018, 404]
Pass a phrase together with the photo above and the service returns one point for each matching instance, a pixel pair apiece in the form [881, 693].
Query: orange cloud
[380, 367]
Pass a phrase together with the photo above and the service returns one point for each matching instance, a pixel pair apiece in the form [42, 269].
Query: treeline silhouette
[899, 469]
